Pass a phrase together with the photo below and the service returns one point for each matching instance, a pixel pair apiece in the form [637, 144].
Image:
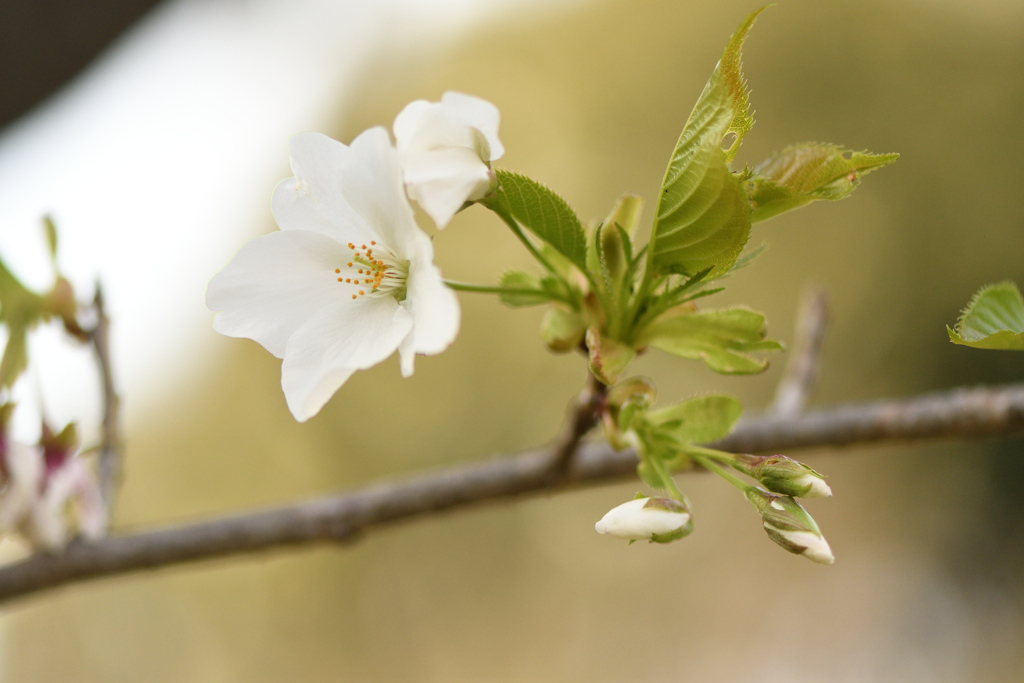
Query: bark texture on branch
[961, 413]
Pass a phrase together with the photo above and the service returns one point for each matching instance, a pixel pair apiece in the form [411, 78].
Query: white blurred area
[159, 161]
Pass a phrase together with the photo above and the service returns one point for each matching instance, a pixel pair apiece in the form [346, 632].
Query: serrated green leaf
[541, 211]
[723, 339]
[703, 214]
[528, 289]
[699, 420]
[994, 319]
[803, 173]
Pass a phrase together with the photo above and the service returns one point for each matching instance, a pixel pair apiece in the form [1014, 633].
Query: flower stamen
[383, 271]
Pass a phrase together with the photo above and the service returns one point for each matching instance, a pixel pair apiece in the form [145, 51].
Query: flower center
[374, 270]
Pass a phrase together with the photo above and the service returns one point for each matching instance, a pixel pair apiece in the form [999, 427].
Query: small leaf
[20, 310]
[994, 319]
[723, 339]
[15, 358]
[649, 475]
[701, 420]
[803, 173]
[526, 289]
[608, 357]
[626, 212]
[544, 213]
[51, 236]
[703, 214]
[562, 330]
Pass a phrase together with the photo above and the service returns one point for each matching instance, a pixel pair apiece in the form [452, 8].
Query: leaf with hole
[703, 214]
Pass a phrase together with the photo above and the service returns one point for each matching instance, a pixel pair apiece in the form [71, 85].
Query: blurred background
[159, 158]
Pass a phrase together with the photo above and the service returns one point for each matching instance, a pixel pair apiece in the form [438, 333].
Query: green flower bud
[789, 525]
[784, 475]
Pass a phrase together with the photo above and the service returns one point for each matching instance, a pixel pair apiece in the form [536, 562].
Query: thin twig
[802, 369]
[583, 416]
[961, 413]
[109, 465]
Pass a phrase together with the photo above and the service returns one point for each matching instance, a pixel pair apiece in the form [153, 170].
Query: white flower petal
[442, 180]
[429, 126]
[313, 199]
[371, 180]
[434, 308]
[335, 342]
[479, 114]
[407, 124]
[274, 284]
[817, 486]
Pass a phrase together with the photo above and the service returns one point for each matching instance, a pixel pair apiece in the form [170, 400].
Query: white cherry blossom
[446, 148]
[348, 279]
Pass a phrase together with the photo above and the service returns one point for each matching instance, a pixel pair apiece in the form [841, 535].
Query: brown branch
[109, 465]
[583, 416]
[961, 413]
[802, 369]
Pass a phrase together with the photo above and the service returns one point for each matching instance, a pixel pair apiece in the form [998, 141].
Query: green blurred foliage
[926, 584]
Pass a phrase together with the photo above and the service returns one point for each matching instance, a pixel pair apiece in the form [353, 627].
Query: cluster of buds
[47, 489]
[788, 524]
[658, 520]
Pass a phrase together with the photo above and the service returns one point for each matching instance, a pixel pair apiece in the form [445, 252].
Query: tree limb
[960, 413]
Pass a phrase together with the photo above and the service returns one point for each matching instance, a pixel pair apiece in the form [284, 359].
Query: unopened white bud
[813, 486]
[659, 520]
[783, 475]
[807, 543]
[790, 526]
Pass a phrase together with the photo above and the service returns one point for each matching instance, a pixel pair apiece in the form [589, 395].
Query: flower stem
[666, 478]
[497, 289]
[709, 463]
[518, 232]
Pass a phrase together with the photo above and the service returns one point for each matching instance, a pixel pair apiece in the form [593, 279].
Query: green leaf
[525, 289]
[626, 212]
[562, 330]
[20, 310]
[703, 214]
[543, 213]
[723, 338]
[608, 357]
[15, 358]
[994, 319]
[51, 236]
[701, 420]
[801, 174]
